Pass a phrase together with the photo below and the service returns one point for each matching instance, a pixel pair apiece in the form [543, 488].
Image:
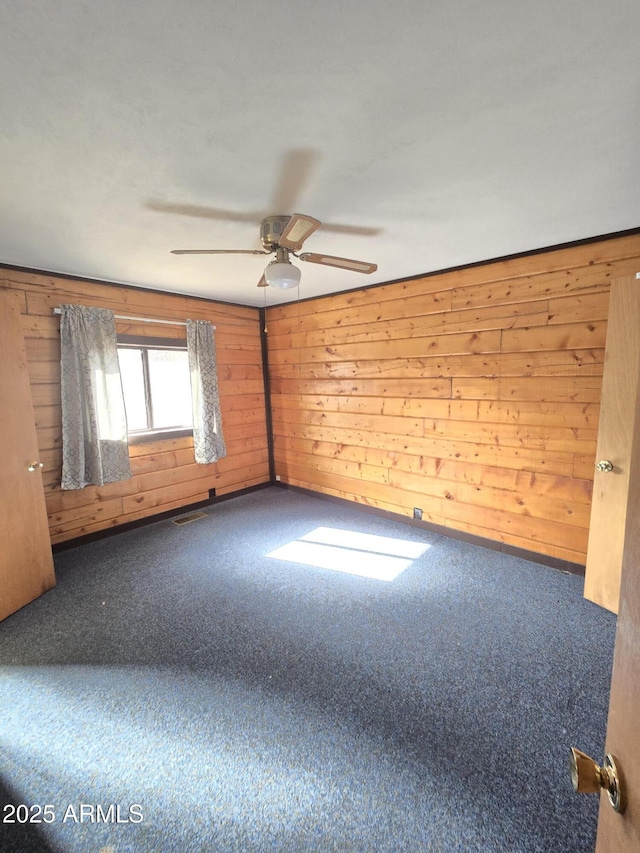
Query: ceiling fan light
[282, 275]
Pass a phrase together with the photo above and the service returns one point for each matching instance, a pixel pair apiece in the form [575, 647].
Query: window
[157, 387]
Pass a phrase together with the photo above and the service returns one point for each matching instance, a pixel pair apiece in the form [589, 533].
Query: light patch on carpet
[381, 558]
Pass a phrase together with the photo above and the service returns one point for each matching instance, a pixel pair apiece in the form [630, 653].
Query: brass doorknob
[588, 778]
[604, 465]
[35, 466]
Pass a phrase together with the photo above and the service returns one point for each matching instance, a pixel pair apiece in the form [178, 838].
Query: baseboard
[512, 550]
[152, 519]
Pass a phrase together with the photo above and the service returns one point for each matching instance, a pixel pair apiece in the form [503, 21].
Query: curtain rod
[140, 319]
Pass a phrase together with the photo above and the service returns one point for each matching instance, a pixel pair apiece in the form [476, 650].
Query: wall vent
[185, 519]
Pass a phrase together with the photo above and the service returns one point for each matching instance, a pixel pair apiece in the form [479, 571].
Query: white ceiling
[425, 134]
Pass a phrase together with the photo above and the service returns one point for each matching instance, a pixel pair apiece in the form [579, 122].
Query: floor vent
[185, 519]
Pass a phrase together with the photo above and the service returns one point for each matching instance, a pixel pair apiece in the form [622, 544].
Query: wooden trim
[152, 343]
[489, 544]
[89, 280]
[152, 519]
[166, 477]
[157, 435]
[450, 533]
[585, 241]
[529, 253]
[455, 393]
[264, 344]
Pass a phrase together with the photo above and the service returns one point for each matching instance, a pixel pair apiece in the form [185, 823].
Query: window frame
[141, 342]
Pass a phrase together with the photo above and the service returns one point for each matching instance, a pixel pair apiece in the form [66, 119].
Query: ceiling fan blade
[359, 230]
[296, 231]
[263, 281]
[202, 212]
[296, 169]
[219, 252]
[342, 263]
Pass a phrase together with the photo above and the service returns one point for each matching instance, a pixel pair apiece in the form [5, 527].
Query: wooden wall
[471, 394]
[165, 475]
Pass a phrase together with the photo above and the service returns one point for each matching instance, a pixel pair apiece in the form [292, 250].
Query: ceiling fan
[284, 236]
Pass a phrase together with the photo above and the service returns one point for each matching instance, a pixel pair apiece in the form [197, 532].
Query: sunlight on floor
[378, 557]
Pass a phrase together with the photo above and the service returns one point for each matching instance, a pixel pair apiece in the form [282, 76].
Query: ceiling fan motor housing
[271, 230]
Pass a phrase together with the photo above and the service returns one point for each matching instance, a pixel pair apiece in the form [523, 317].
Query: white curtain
[208, 442]
[94, 422]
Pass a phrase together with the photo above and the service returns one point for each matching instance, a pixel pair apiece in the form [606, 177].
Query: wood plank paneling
[165, 476]
[554, 273]
[473, 394]
[567, 363]
[556, 338]
[501, 365]
[551, 414]
[515, 478]
[468, 342]
[372, 328]
[554, 389]
[522, 459]
[366, 387]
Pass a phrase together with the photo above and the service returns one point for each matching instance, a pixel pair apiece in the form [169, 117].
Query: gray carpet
[226, 700]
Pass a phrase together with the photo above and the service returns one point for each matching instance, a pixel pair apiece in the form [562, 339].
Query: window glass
[170, 386]
[157, 387]
[132, 375]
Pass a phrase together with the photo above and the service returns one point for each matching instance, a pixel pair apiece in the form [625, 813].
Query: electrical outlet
[277, 478]
[417, 513]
